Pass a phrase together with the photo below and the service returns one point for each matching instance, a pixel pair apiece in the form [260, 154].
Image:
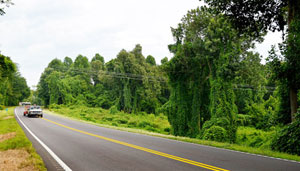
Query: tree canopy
[259, 16]
[13, 87]
[253, 16]
[128, 82]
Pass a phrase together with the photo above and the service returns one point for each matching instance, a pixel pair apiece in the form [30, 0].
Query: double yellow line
[206, 166]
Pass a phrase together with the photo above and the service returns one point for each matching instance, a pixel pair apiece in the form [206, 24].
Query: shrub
[250, 136]
[223, 122]
[113, 110]
[288, 139]
[167, 129]
[154, 125]
[114, 124]
[107, 118]
[216, 133]
[54, 106]
[122, 121]
[132, 123]
[258, 141]
[143, 124]
[2, 107]
[243, 120]
[149, 128]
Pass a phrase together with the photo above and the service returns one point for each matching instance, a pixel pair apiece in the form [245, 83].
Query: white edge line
[219, 148]
[59, 161]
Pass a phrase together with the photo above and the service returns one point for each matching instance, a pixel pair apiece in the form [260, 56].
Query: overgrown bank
[16, 151]
[113, 117]
[248, 139]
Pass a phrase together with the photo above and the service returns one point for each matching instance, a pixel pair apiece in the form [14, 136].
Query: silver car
[35, 111]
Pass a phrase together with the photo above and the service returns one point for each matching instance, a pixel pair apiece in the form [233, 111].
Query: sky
[34, 32]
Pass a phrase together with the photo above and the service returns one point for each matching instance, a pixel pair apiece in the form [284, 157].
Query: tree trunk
[293, 12]
[293, 102]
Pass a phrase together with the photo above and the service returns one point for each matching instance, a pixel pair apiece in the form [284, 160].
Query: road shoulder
[50, 163]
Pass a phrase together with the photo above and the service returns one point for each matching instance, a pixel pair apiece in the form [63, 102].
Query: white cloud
[272, 38]
[33, 32]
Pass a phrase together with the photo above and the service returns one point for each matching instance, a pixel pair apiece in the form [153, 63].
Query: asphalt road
[83, 146]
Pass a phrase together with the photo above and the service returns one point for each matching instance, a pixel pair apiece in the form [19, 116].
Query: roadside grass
[249, 140]
[8, 124]
[251, 137]
[148, 122]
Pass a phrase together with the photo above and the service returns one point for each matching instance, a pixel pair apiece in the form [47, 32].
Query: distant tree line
[130, 82]
[13, 87]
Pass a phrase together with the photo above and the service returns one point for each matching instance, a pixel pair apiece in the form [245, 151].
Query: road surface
[81, 146]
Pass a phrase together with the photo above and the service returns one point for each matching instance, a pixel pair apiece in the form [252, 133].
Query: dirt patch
[7, 136]
[7, 117]
[15, 160]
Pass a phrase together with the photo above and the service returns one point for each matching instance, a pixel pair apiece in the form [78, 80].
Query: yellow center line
[206, 166]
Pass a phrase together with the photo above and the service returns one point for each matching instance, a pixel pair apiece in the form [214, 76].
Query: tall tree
[13, 87]
[20, 89]
[7, 70]
[97, 65]
[201, 73]
[258, 16]
[151, 60]
[68, 62]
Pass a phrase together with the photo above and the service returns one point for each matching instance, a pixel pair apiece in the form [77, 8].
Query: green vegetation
[113, 117]
[249, 139]
[255, 18]
[128, 82]
[8, 124]
[287, 139]
[201, 73]
[13, 87]
[213, 91]
[213, 88]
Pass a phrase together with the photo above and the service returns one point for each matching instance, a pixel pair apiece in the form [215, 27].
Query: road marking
[206, 166]
[58, 160]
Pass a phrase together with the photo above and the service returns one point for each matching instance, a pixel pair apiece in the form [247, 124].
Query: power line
[115, 74]
[150, 78]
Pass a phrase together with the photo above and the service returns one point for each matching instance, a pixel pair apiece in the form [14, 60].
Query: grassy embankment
[248, 139]
[16, 151]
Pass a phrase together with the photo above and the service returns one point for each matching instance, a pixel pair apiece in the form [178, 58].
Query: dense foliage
[214, 77]
[201, 74]
[130, 82]
[13, 87]
[288, 139]
[212, 87]
[254, 16]
[150, 122]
